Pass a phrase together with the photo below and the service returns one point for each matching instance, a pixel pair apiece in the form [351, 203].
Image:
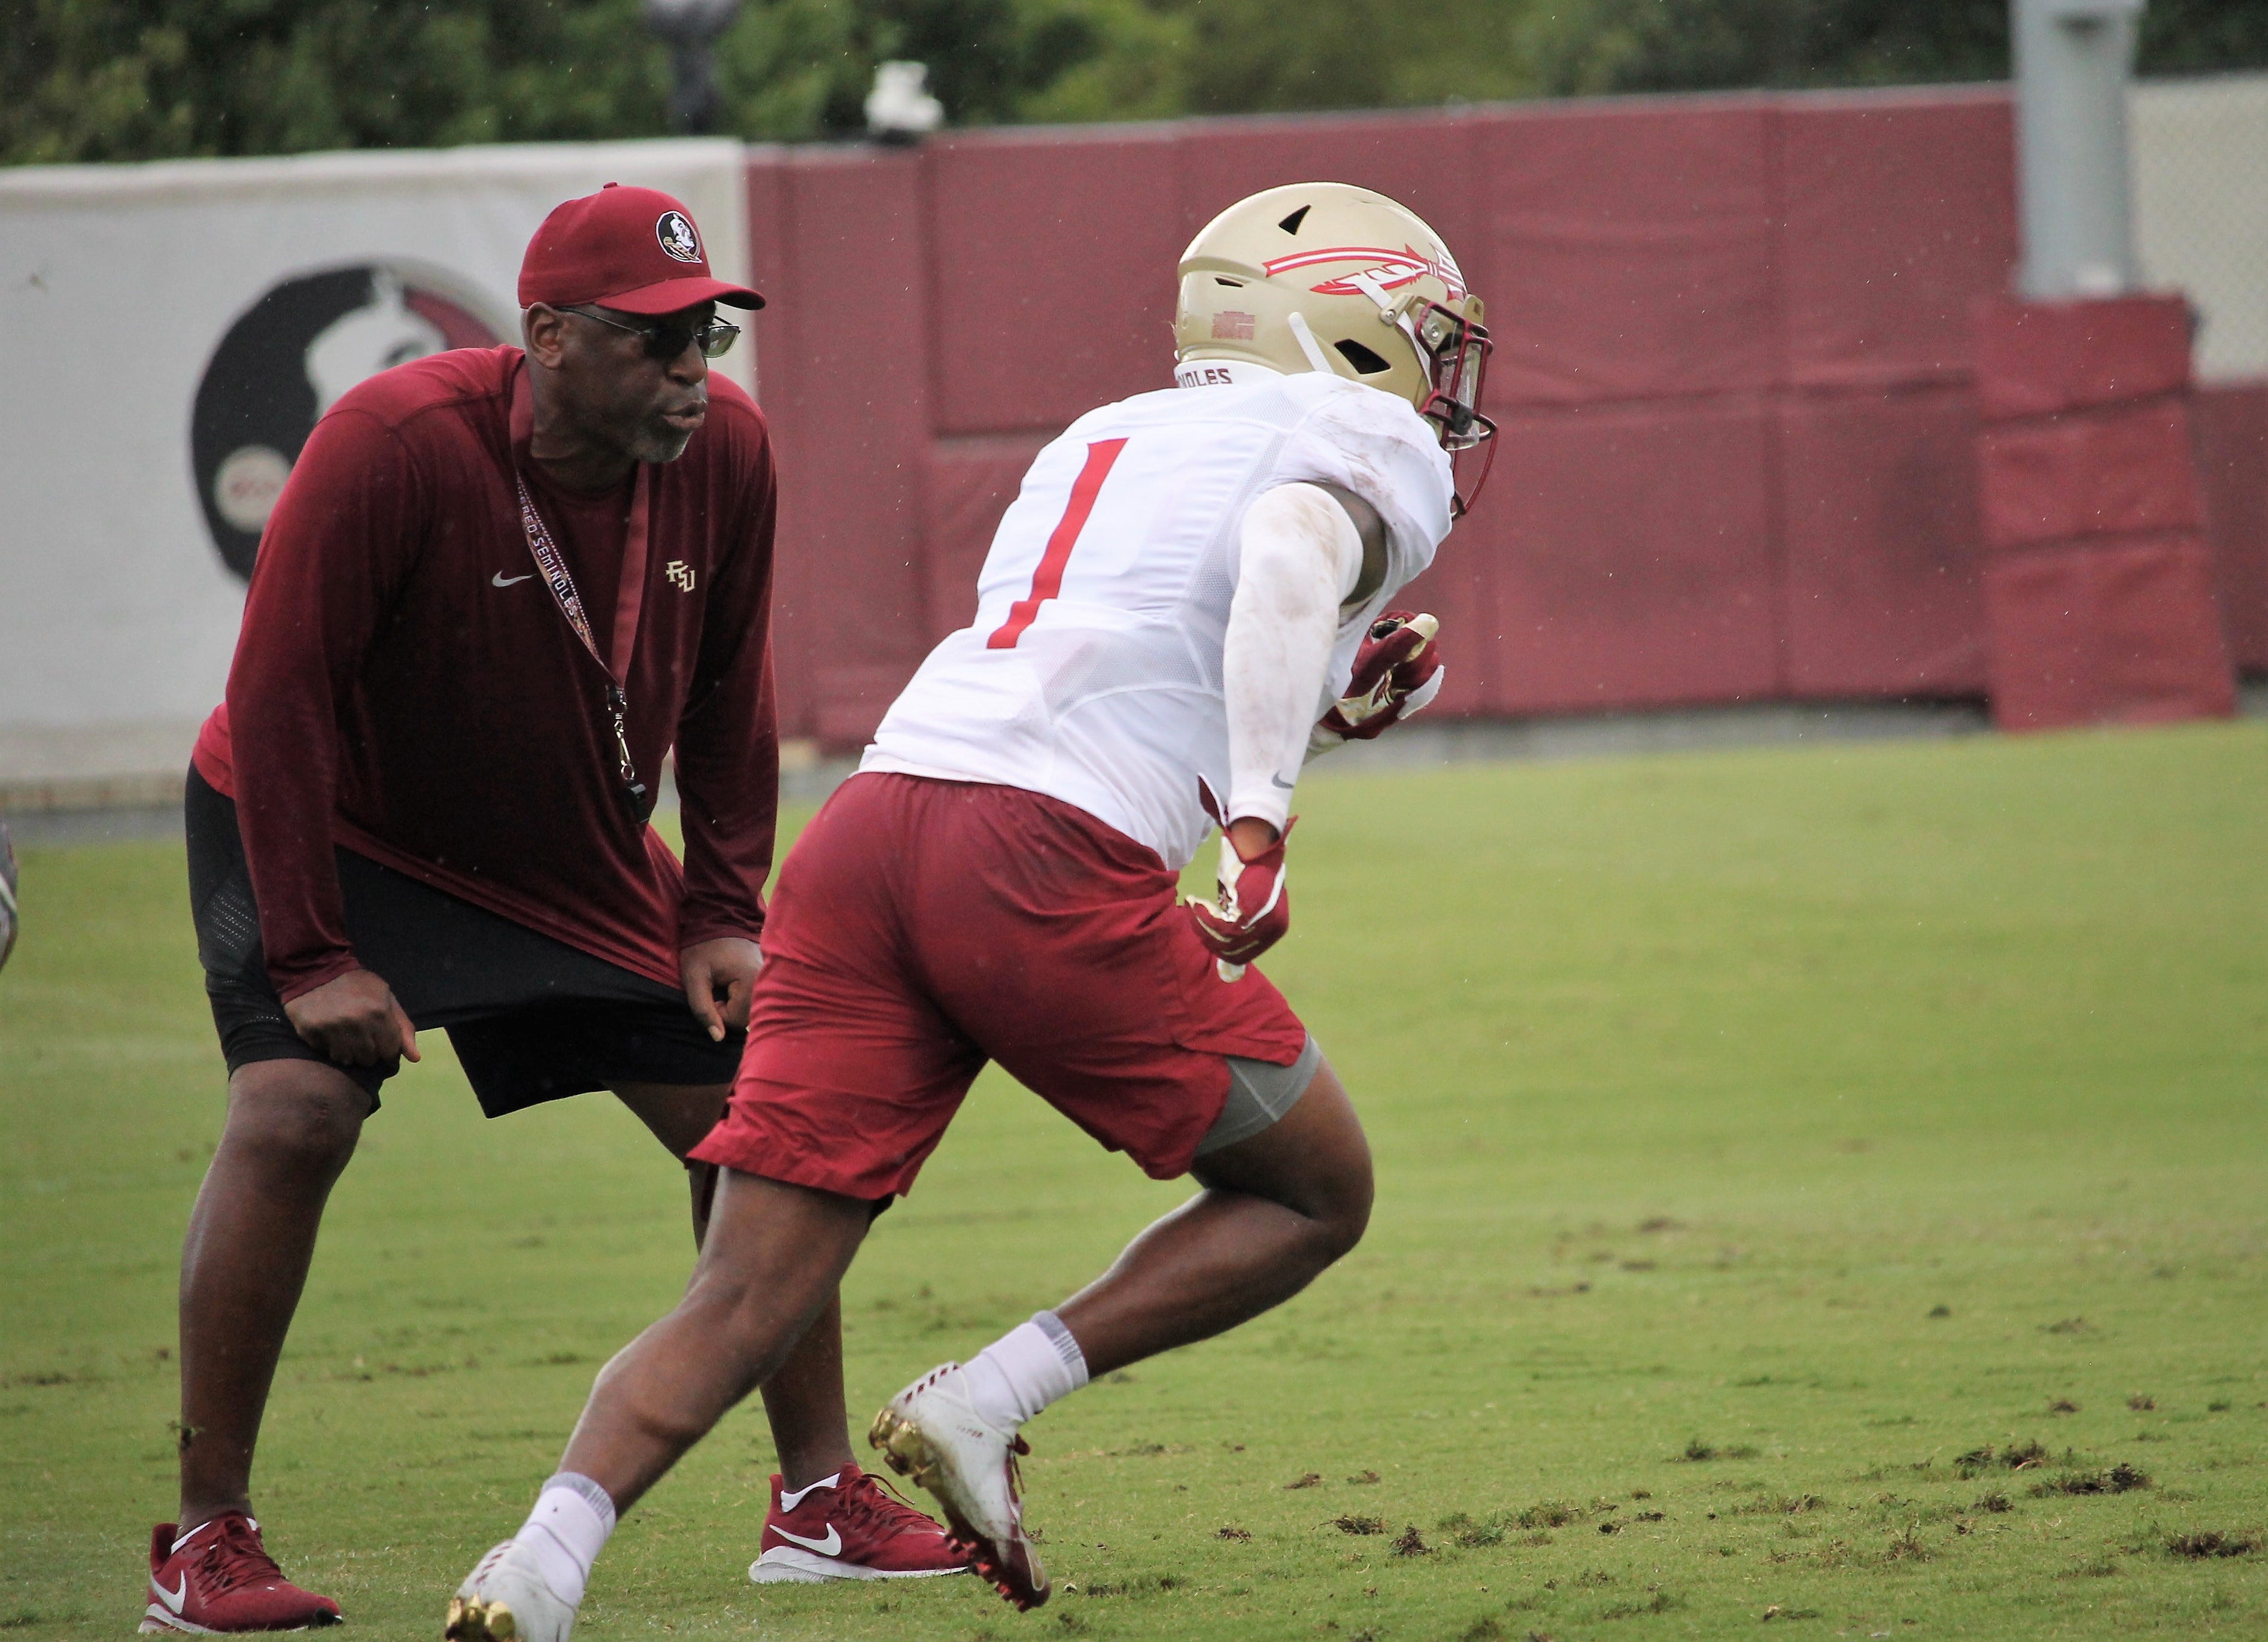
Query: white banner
[2200, 151]
[168, 333]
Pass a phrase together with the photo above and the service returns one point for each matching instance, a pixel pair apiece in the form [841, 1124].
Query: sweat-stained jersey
[1093, 673]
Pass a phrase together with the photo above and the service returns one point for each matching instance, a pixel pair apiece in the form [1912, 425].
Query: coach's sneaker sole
[505, 1598]
[931, 1432]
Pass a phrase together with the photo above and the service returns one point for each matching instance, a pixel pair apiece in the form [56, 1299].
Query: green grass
[1758, 1135]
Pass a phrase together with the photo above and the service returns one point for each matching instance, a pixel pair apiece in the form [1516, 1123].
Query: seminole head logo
[675, 231]
[1389, 270]
[287, 358]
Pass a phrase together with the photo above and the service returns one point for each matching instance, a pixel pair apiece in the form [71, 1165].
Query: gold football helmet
[1326, 277]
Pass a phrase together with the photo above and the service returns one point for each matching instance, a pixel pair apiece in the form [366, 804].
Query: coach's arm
[728, 766]
[333, 557]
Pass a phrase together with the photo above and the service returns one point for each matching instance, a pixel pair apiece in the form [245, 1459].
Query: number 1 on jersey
[1046, 581]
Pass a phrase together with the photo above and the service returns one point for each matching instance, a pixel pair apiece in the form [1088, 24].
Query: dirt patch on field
[2120, 1479]
[1700, 1452]
[2209, 1543]
[2017, 1456]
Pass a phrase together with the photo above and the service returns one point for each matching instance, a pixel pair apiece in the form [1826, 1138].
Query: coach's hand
[354, 1020]
[1252, 910]
[719, 975]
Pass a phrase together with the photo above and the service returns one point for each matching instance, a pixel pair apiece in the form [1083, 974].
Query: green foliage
[138, 79]
[144, 79]
[1692, 45]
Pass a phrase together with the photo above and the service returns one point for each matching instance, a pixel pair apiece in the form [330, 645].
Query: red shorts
[921, 928]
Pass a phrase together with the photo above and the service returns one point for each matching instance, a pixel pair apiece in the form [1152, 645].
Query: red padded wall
[2231, 426]
[1641, 570]
[2123, 632]
[1051, 269]
[1882, 597]
[845, 386]
[2099, 592]
[1736, 370]
[1897, 210]
[1629, 248]
[2098, 472]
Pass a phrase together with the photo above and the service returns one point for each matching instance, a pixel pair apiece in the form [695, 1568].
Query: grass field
[1774, 1147]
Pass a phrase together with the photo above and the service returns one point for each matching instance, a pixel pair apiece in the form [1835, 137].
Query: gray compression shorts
[1259, 1094]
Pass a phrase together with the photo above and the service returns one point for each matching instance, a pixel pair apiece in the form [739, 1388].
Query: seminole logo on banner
[288, 358]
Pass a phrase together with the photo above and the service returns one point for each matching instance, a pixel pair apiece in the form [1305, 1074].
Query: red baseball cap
[634, 250]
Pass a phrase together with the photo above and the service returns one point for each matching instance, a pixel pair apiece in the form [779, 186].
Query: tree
[143, 79]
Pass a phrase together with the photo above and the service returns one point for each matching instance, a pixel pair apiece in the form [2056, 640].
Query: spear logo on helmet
[1390, 269]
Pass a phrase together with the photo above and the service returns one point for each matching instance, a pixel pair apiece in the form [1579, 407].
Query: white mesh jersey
[1092, 671]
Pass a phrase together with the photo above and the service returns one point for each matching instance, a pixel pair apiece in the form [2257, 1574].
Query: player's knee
[1343, 1212]
[741, 1316]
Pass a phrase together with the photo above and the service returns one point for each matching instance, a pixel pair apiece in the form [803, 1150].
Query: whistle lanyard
[628, 599]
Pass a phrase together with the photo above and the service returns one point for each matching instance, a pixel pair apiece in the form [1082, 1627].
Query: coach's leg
[769, 1269]
[1276, 1209]
[291, 1126]
[804, 1400]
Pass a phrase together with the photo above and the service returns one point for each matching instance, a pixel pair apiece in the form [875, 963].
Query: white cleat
[505, 1598]
[932, 1432]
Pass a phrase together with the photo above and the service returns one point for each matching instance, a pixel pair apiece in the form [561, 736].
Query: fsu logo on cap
[675, 229]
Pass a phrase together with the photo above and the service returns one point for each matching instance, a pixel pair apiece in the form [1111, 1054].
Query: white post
[2074, 59]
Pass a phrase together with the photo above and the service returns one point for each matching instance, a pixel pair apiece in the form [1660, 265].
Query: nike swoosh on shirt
[502, 580]
[173, 1600]
[1280, 781]
[827, 1547]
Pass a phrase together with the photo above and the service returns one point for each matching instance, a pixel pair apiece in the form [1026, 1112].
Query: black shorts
[531, 1019]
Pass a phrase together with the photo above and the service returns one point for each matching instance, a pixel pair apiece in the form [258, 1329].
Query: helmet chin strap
[1369, 286]
[1308, 345]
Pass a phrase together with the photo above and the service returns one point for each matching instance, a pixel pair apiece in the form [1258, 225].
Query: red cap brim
[671, 295]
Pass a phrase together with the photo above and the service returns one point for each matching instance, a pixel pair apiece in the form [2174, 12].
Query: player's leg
[773, 1259]
[811, 1427]
[1275, 1211]
[1280, 1203]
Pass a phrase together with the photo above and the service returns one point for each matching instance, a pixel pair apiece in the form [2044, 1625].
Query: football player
[1190, 595]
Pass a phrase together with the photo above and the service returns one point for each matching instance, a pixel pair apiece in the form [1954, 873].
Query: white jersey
[1093, 670]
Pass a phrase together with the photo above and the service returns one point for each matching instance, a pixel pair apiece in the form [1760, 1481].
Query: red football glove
[1396, 671]
[1252, 910]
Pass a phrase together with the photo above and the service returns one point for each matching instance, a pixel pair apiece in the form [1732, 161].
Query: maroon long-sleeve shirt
[405, 684]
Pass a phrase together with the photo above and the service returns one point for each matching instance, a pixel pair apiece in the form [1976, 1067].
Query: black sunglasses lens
[667, 343]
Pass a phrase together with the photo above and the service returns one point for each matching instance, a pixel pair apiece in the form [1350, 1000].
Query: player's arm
[728, 773]
[1300, 559]
[330, 561]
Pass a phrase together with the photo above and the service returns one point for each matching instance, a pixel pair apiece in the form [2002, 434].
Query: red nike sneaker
[850, 1528]
[219, 1578]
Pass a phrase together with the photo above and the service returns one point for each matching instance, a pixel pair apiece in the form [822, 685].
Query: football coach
[500, 585]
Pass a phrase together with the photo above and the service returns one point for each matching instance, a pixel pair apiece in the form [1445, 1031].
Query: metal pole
[2074, 59]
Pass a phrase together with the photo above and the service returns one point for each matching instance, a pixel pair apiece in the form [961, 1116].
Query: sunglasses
[713, 336]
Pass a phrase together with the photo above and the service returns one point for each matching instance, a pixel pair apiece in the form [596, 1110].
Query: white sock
[566, 1532]
[789, 1501]
[1024, 1370]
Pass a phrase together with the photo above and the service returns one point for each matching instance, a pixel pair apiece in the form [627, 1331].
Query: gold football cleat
[476, 1620]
